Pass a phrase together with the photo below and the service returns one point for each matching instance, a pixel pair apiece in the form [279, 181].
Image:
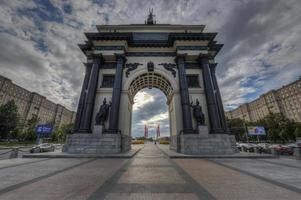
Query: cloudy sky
[38, 44]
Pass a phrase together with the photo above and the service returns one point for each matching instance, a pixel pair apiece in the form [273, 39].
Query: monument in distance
[178, 60]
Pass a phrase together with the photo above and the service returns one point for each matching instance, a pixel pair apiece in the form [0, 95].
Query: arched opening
[150, 95]
[150, 80]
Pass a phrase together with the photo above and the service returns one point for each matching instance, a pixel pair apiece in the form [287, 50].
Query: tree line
[13, 127]
[278, 128]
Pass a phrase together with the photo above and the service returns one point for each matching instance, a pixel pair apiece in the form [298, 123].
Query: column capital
[212, 67]
[204, 56]
[120, 58]
[180, 56]
[95, 58]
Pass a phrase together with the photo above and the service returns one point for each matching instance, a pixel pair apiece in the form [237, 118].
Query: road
[5, 152]
[149, 175]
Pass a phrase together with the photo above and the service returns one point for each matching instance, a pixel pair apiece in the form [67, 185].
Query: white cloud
[249, 30]
[141, 99]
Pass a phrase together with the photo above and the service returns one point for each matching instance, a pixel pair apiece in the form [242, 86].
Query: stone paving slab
[143, 179]
[277, 172]
[151, 196]
[16, 176]
[290, 162]
[225, 183]
[173, 154]
[155, 175]
[151, 174]
[18, 162]
[76, 184]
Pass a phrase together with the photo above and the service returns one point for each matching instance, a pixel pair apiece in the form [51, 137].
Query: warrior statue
[150, 18]
[198, 113]
[102, 115]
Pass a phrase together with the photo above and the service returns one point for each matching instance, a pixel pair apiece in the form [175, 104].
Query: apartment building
[31, 104]
[285, 100]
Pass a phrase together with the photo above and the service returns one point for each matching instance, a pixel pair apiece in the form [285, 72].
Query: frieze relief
[170, 67]
[130, 67]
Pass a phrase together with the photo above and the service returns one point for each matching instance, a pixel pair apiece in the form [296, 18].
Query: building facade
[285, 100]
[123, 59]
[31, 104]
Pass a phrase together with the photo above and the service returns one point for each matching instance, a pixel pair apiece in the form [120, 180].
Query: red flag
[145, 131]
[158, 131]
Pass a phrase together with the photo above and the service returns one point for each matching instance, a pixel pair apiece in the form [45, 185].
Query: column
[114, 113]
[214, 119]
[81, 102]
[86, 118]
[186, 113]
[219, 99]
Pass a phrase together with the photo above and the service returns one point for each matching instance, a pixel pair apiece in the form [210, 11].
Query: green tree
[29, 133]
[9, 119]
[278, 127]
[60, 133]
[237, 128]
[297, 132]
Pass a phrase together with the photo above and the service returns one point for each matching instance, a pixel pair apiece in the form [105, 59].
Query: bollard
[297, 153]
[14, 153]
[275, 152]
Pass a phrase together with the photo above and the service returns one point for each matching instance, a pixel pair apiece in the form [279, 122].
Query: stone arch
[172, 80]
[150, 80]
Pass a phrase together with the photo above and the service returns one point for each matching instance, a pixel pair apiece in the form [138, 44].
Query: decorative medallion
[170, 67]
[131, 67]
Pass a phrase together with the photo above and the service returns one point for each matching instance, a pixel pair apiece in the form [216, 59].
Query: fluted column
[184, 93]
[81, 102]
[114, 113]
[214, 118]
[219, 99]
[86, 119]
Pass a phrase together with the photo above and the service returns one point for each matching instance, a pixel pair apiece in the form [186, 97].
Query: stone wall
[173, 142]
[194, 144]
[93, 144]
[126, 142]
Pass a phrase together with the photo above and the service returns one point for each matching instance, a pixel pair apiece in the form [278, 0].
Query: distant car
[238, 146]
[44, 147]
[249, 147]
[264, 147]
[283, 149]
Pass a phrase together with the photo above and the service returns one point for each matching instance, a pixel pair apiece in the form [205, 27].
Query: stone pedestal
[203, 131]
[93, 143]
[214, 144]
[97, 130]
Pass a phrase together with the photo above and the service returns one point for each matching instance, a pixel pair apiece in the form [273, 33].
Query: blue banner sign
[256, 130]
[44, 130]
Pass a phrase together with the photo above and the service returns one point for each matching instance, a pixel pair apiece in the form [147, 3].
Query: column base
[214, 144]
[79, 143]
[97, 130]
[203, 131]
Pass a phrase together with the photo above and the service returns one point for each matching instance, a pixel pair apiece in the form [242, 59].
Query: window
[108, 81]
[193, 81]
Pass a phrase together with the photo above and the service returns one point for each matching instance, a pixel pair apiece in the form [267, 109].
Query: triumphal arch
[178, 60]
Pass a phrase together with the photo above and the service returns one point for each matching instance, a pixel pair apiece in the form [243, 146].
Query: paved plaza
[150, 174]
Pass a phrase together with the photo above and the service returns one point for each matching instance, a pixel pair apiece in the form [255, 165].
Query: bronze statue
[102, 115]
[198, 113]
[150, 18]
